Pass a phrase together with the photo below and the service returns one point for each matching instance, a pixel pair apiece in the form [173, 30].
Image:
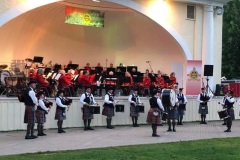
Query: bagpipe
[67, 101]
[47, 103]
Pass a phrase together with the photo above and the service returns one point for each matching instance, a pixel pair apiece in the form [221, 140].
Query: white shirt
[83, 97]
[32, 94]
[59, 103]
[159, 102]
[106, 99]
[42, 105]
[137, 99]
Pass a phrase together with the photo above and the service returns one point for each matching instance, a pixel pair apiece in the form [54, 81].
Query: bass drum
[3, 75]
[168, 97]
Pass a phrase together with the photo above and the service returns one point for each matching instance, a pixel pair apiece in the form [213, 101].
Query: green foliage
[231, 40]
[219, 149]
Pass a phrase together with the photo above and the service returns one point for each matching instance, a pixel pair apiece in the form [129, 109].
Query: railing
[12, 113]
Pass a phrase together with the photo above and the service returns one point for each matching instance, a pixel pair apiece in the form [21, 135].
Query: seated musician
[65, 81]
[109, 81]
[32, 74]
[146, 84]
[127, 82]
[87, 67]
[84, 80]
[42, 82]
[172, 79]
[159, 81]
[96, 80]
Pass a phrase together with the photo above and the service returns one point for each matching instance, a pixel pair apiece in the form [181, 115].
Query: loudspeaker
[208, 70]
[220, 90]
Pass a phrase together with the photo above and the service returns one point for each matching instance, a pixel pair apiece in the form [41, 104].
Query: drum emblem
[194, 74]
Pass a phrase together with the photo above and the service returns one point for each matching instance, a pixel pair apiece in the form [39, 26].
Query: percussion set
[95, 109]
[168, 97]
[10, 82]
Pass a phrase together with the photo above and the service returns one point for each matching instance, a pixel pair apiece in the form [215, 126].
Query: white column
[208, 40]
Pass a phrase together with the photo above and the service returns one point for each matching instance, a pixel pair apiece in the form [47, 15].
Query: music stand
[121, 69]
[72, 66]
[129, 68]
[37, 59]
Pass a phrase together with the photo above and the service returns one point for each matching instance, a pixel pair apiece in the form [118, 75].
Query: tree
[231, 40]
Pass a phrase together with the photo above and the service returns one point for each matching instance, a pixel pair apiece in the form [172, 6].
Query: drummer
[229, 104]
[134, 100]
[87, 100]
[224, 107]
[153, 116]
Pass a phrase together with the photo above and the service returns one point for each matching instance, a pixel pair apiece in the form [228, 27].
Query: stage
[12, 113]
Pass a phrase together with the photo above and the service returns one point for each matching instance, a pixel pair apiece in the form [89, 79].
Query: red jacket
[41, 80]
[65, 80]
[84, 80]
[146, 82]
[160, 82]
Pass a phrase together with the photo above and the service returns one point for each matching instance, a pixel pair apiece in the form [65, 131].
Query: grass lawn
[213, 149]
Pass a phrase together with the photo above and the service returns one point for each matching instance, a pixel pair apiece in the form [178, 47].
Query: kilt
[151, 119]
[87, 112]
[181, 112]
[41, 118]
[203, 109]
[59, 115]
[134, 111]
[107, 111]
[231, 114]
[173, 113]
[30, 115]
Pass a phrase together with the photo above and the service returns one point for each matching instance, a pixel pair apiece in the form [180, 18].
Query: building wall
[127, 37]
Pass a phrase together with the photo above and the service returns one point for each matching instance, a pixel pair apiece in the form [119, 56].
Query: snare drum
[164, 116]
[140, 108]
[223, 114]
[95, 109]
[119, 107]
[168, 97]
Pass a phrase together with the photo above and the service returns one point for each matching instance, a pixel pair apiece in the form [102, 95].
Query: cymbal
[28, 60]
[4, 66]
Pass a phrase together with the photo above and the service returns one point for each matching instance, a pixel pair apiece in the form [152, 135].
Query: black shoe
[90, 128]
[33, 136]
[136, 125]
[169, 130]
[155, 135]
[40, 134]
[43, 134]
[160, 124]
[85, 129]
[204, 122]
[201, 122]
[228, 130]
[110, 127]
[63, 131]
[29, 137]
[224, 124]
[178, 123]
[174, 130]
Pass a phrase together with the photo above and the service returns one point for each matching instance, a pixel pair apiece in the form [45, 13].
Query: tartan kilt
[87, 112]
[231, 113]
[107, 111]
[134, 111]
[173, 113]
[151, 119]
[59, 115]
[40, 115]
[203, 110]
[30, 114]
[181, 112]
